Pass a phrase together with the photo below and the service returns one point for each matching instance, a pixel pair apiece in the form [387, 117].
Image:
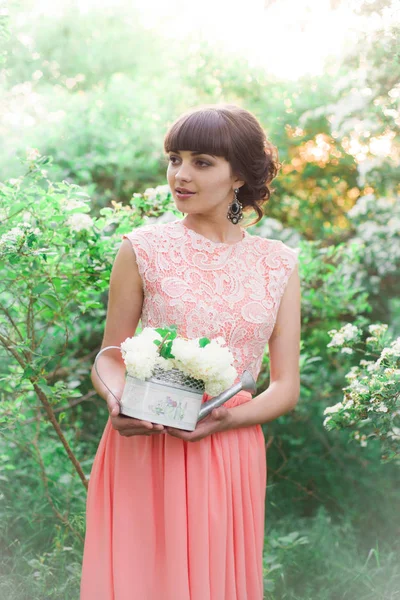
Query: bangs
[204, 131]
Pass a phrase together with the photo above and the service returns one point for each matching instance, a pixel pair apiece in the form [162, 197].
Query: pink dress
[173, 520]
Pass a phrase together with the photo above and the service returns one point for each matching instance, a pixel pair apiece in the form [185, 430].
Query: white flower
[140, 353]
[15, 236]
[346, 350]
[333, 409]
[381, 408]
[163, 189]
[32, 154]
[349, 403]
[347, 333]
[12, 236]
[353, 373]
[150, 194]
[80, 221]
[372, 367]
[394, 433]
[393, 350]
[377, 329]
[358, 387]
[212, 363]
[72, 203]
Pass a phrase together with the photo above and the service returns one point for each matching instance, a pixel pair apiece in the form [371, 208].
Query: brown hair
[232, 132]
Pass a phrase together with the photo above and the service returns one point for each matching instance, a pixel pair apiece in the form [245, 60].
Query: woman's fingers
[128, 426]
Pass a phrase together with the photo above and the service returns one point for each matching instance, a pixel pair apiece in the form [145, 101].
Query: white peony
[212, 364]
[140, 353]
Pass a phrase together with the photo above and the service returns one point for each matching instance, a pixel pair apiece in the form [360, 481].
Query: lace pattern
[213, 289]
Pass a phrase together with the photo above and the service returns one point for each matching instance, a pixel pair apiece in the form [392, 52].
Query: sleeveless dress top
[173, 520]
[211, 288]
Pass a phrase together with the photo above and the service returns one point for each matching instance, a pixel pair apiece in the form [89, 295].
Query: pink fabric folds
[175, 520]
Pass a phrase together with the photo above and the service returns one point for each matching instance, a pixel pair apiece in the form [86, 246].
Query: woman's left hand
[220, 419]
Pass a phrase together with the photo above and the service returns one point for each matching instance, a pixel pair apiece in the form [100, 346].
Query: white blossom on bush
[377, 231]
[154, 193]
[347, 333]
[372, 397]
[79, 221]
[32, 154]
[72, 203]
[16, 236]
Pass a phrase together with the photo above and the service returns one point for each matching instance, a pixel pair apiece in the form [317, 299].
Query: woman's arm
[125, 302]
[284, 351]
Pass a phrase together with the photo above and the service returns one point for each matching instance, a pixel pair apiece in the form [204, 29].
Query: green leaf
[28, 372]
[41, 287]
[50, 300]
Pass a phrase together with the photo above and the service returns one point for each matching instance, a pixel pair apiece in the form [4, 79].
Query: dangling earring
[235, 213]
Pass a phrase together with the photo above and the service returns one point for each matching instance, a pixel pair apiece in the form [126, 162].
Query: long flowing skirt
[173, 520]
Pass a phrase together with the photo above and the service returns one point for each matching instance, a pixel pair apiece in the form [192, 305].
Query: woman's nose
[183, 172]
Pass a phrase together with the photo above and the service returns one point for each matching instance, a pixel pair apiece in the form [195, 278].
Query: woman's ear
[238, 183]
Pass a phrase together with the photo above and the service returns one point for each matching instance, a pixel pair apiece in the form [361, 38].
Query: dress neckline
[189, 232]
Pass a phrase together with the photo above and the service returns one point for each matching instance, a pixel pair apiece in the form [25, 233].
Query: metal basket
[169, 397]
[176, 378]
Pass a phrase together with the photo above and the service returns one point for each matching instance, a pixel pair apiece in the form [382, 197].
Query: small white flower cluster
[361, 438]
[15, 236]
[152, 193]
[72, 204]
[211, 364]
[377, 230]
[79, 221]
[374, 387]
[347, 333]
[392, 350]
[270, 228]
[32, 154]
[394, 433]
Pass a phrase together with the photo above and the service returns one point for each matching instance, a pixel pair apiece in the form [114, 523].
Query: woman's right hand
[128, 426]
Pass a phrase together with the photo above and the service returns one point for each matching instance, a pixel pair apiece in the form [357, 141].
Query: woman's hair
[232, 132]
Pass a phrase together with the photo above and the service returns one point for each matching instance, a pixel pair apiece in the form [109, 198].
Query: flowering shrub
[55, 265]
[377, 231]
[201, 358]
[371, 400]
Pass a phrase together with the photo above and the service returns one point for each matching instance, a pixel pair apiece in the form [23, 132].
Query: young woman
[172, 514]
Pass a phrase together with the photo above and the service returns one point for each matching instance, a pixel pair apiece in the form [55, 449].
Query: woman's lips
[183, 196]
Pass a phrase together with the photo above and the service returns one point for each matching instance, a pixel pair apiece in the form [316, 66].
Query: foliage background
[85, 102]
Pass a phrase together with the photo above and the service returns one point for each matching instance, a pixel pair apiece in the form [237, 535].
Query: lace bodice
[211, 289]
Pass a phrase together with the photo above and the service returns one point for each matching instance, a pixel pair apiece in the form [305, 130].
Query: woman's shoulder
[153, 236]
[273, 245]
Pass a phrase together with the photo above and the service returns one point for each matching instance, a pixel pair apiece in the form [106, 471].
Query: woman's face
[208, 177]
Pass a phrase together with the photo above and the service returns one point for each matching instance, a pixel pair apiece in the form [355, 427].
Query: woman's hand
[220, 419]
[128, 426]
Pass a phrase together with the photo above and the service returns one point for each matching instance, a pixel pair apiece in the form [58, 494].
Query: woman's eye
[202, 162]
